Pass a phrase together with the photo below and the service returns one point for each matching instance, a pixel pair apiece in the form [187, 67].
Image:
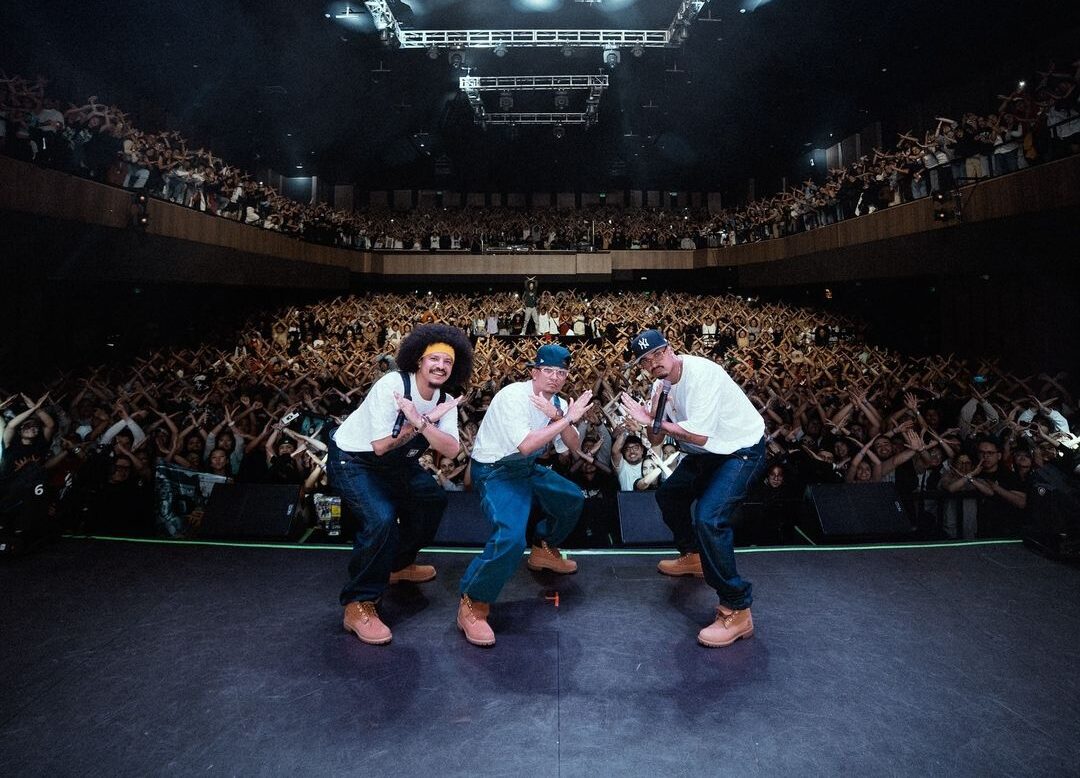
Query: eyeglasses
[652, 357]
[554, 372]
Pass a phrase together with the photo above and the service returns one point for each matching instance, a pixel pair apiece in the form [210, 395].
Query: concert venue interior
[226, 222]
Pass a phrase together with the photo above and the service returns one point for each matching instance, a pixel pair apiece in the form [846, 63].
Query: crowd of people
[837, 409]
[1036, 122]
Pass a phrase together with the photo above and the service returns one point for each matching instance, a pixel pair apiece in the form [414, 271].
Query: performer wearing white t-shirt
[372, 464]
[722, 434]
[522, 419]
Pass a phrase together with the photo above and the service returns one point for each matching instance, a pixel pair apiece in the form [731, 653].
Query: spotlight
[456, 60]
[506, 101]
[500, 50]
[558, 131]
[938, 196]
[940, 215]
[567, 51]
[141, 200]
[144, 221]
[612, 57]
[562, 100]
[384, 35]
[638, 51]
[684, 32]
[433, 52]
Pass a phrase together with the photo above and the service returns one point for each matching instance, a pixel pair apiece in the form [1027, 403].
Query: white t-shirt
[629, 474]
[509, 419]
[707, 401]
[375, 417]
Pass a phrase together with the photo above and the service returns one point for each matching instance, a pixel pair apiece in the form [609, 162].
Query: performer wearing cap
[372, 464]
[723, 436]
[521, 421]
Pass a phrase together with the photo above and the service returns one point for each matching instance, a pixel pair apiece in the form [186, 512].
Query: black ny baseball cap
[646, 342]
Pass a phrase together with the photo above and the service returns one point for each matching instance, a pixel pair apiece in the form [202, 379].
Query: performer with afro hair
[372, 464]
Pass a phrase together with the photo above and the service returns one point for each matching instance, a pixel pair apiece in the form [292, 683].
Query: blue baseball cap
[645, 342]
[552, 355]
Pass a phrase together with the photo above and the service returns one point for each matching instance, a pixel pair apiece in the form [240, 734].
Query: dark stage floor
[143, 659]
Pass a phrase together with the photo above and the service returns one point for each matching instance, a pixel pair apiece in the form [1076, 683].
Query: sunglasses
[554, 372]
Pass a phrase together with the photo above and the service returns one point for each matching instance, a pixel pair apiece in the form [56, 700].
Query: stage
[126, 658]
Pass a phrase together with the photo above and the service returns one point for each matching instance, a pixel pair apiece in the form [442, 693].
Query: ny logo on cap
[643, 343]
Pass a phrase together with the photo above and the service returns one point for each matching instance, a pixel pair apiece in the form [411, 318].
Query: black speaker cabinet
[640, 522]
[463, 523]
[852, 512]
[1053, 514]
[266, 511]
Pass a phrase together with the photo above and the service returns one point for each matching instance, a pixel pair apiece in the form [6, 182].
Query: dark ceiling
[277, 83]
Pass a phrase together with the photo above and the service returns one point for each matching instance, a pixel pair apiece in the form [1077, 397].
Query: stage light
[457, 59]
[638, 51]
[433, 52]
[500, 50]
[558, 131]
[938, 196]
[684, 32]
[562, 100]
[612, 57]
[940, 215]
[567, 51]
[506, 101]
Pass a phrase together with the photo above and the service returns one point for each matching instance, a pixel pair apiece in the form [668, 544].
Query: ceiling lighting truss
[490, 39]
[532, 83]
[539, 118]
[595, 85]
[672, 37]
[679, 30]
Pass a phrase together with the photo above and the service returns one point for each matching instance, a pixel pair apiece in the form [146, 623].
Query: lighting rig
[610, 42]
[391, 32]
[473, 86]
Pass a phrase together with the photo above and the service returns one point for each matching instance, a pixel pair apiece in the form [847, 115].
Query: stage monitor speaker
[640, 522]
[463, 523]
[853, 512]
[255, 511]
[1053, 514]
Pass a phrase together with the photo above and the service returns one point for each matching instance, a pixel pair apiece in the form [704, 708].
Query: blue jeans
[507, 489]
[719, 483]
[396, 506]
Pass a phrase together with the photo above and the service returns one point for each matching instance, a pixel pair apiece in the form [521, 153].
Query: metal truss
[389, 28]
[540, 118]
[531, 83]
[490, 39]
[472, 86]
[679, 29]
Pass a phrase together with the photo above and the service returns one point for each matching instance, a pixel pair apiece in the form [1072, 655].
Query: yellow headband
[439, 348]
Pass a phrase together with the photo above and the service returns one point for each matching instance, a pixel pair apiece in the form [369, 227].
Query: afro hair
[417, 341]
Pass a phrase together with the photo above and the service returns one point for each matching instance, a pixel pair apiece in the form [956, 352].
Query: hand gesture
[545, 406]
[635, 410]
[579, 406]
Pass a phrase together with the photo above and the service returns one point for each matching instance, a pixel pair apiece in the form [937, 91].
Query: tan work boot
[414, 573]
[545, 557]
[362, 620]
[729, 626]
[687, 564]
[472, 619]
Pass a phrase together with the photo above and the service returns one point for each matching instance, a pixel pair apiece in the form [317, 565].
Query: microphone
[665, 390]
[398, 424]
